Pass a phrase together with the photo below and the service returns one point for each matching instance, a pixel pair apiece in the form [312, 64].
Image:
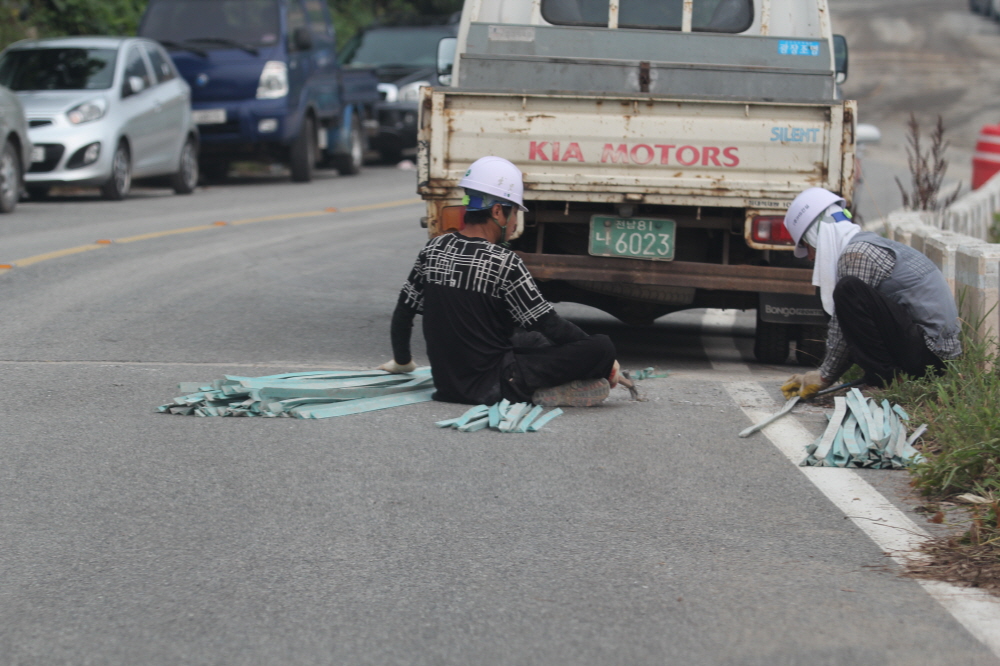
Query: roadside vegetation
[23, 19]
[961, 473]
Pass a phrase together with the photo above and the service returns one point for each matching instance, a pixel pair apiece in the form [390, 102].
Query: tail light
[770, 230]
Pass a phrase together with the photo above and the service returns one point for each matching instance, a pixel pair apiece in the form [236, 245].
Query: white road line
[890, 529]
[718, 343]
[887, 526]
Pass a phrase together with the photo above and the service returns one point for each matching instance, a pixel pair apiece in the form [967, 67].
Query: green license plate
[633, 237]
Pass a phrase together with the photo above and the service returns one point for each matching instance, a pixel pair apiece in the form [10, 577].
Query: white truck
[661, 142]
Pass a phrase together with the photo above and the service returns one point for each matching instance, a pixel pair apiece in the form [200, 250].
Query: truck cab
[661, 143]
[265, 82]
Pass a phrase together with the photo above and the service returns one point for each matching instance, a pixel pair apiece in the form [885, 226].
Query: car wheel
[303, 153]
[771, 342]
[117, 186]
[10, 178]
[349, 164]
[186, 178]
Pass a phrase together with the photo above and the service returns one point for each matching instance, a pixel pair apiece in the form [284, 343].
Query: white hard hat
[806, 209]
[495, 176]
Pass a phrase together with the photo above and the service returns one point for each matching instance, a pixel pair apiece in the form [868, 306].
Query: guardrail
[955, 240]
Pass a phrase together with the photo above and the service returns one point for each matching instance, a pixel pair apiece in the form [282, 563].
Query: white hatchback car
[102, 111]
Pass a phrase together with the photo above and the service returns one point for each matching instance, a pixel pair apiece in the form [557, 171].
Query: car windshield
[707, 15]
[416, 47]
[58, 69]
[208, 23]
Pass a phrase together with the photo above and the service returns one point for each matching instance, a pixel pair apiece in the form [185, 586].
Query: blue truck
[265, 83]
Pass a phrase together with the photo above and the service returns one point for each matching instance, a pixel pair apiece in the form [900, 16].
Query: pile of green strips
[303, 395]
[863, 433]
[502, 417]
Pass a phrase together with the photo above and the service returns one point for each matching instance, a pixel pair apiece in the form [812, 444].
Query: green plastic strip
[367, 405]
[542, 420]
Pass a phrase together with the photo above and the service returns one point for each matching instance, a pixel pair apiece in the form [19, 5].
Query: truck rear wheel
[810, 346]
[303, 153]
[771, 343]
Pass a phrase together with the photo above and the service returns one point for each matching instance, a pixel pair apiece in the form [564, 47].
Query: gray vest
[918, 285]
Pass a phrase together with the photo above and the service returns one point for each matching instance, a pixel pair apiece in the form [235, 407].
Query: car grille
[53, 153]
[39, 122]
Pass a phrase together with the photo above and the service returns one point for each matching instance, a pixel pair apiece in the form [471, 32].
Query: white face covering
[829, 237]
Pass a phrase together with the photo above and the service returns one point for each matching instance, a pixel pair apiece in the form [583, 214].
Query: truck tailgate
[579, 147]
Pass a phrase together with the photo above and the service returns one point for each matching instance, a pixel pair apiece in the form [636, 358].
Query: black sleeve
[401, 329]
[555, 328]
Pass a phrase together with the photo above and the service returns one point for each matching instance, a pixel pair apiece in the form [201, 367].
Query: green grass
[962, 443]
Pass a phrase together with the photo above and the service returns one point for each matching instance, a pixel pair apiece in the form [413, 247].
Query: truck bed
[639, 148]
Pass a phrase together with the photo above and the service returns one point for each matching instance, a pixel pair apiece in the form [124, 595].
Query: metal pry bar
[772, 418]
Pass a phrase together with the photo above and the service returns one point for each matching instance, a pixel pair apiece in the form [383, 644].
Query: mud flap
[791, 309]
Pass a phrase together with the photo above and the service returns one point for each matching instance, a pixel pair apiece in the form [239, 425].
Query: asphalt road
[633, 533]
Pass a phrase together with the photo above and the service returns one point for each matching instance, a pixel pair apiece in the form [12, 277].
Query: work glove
[397, 369]
[805, 386]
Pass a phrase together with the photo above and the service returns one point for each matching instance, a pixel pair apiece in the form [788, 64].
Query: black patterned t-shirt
[471, 293]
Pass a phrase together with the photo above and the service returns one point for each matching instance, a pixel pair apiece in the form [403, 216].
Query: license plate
[209, 116]
[633, 237]
[37, 154]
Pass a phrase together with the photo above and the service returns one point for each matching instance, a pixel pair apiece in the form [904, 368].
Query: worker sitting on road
[892, 311]
[474, 292]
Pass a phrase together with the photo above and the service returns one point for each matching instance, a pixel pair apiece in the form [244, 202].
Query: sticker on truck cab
[795, 47]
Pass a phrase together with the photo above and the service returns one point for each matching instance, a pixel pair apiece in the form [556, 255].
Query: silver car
[102, 111]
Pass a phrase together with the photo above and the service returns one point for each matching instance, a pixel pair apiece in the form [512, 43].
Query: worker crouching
[891, 309]
[490, 333]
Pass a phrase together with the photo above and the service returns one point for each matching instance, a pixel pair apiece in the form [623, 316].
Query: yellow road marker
[161, 234]
[21, 263]
[274, 218]
[28, 261]
[387, 204]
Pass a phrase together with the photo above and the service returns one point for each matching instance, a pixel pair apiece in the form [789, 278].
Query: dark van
[265, 83]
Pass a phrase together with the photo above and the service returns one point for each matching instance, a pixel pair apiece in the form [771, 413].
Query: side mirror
[133, 85]
[840, 57]
[302, 39]
[446, 59]
[866, 133]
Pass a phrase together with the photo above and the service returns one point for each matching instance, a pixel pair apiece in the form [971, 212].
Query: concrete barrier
[977, 288]
[955, 240]
[971, 215]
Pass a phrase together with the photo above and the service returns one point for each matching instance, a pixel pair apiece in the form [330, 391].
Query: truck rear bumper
[670, 274]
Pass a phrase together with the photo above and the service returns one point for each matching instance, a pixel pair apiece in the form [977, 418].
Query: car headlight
[273, 82]
[411, 91]
[87, 112]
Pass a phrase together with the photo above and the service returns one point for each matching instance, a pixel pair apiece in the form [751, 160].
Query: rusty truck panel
[616, 149]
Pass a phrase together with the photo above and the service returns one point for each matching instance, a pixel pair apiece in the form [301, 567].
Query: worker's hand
[397, 369]
[805, 386]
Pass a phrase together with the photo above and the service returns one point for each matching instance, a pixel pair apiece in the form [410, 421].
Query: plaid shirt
[871, 264]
